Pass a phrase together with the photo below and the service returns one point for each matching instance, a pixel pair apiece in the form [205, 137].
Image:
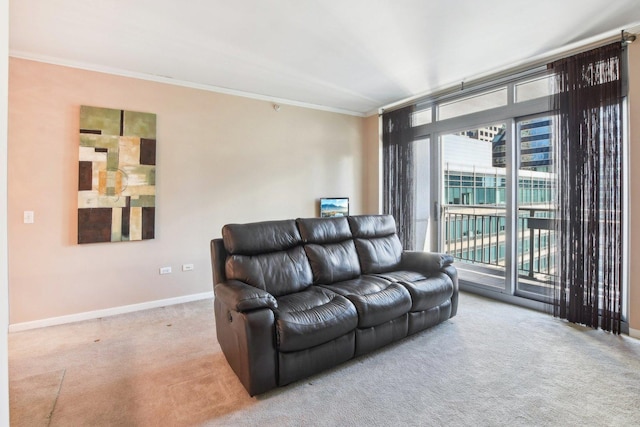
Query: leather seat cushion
[312, 317]
[330, 249]
[260, 237]
[324, 230]
[367, 226]
[402, 276]
[377, 243]
[379, 254]
[278, 273]
[377, 300]
[333, 262]
[430, 292]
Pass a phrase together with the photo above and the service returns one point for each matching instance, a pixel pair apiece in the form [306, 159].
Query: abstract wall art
[117, 175]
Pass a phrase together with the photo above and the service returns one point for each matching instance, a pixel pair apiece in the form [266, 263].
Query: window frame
[510, 114]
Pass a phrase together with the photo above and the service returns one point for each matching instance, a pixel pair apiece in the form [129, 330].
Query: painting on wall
[117, 175]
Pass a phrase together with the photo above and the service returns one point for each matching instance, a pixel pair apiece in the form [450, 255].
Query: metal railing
[477, 234]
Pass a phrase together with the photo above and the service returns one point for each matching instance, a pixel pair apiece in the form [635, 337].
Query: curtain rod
[501, 77]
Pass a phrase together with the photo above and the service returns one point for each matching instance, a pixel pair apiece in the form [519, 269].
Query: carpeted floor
[493, 364]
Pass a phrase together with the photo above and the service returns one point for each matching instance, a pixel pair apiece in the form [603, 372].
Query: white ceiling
[344, 55]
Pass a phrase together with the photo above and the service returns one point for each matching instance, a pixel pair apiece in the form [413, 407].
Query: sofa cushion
[330, 248]
[365, 226]
[378, 246]
[430, 292]
[324, 230]
[402, 276]
[333, 262]
[312, 317]
[377, 300]
[260, 237]
[379, 254]
[278, 273]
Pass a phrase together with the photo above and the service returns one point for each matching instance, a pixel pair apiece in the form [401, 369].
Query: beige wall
[634, 190]
[220, 159]
[372, 165]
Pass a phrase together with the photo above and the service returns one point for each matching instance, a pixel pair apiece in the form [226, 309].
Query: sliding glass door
[535, 233]
[496, 204]
[474, 204]
[489, 196]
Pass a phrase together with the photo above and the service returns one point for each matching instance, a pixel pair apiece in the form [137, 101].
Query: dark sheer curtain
[588, 164]
[399, 172]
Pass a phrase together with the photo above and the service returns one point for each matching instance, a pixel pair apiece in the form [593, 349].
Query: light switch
[29, 217]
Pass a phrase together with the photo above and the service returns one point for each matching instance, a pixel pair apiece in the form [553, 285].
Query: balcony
[476, 236]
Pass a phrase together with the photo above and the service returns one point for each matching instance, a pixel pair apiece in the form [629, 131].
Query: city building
[484, 134]
[535, 145]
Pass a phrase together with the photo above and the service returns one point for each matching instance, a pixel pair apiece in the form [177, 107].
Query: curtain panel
[398, 192]
[588, 164]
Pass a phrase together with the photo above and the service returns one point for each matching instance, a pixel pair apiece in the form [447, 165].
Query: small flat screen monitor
[334, 206]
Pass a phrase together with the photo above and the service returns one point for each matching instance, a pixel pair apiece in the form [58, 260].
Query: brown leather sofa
[295, 297]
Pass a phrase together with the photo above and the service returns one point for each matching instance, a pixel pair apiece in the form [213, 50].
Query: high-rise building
[483, 134]
[536, 153]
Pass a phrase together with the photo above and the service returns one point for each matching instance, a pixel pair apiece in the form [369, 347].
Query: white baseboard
[89, 315]
[634, 333]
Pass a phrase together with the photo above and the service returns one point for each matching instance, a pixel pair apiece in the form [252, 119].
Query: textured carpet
[493, 364]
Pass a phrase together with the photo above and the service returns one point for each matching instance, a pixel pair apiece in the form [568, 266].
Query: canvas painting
[117, 175]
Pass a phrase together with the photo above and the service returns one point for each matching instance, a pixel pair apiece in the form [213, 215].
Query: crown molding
[471, 83]
[175, 82]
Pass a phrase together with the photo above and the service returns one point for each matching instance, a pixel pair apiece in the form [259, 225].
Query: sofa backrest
[329, 245]
[268, 255]
[378, 246]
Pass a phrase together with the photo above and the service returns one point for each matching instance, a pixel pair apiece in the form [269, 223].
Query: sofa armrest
[242, 297]
[427, 262]
[248, 341]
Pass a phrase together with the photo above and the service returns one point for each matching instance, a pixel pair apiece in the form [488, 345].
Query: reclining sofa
[295, 297]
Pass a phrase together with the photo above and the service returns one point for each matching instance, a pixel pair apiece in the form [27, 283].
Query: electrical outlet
[187, 267]
[29, 217]
[165, 270]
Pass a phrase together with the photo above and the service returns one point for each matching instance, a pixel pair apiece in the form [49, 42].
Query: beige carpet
[493, 364]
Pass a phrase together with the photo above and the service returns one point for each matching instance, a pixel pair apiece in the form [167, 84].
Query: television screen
[334, 206]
